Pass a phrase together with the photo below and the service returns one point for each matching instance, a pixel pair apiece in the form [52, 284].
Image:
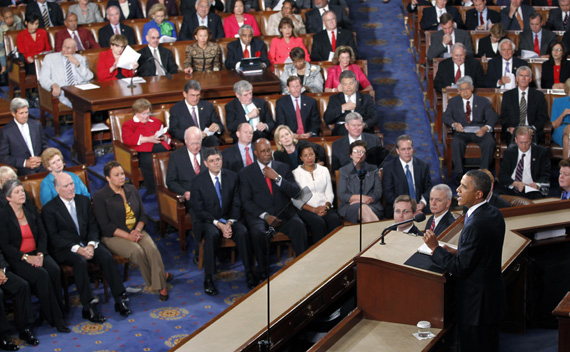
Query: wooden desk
[158, 90]
[562, 312]
[5, 114]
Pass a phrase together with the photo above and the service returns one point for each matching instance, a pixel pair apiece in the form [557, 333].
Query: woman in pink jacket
[281, 47]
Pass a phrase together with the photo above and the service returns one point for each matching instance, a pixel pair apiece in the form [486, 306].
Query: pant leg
[104, 259]
[295, 229]
[332, 220]
[487, 145]
[315, 224]
[458, 144]
[475, 338]
[4, 325]
[145, 160]
[154, 259]
[211, 236]
[81, 273]
[18, 290]
[243, 242]
[257, 228]
[131, 250]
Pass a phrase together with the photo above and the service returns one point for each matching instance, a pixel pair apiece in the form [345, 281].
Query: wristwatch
[25, 257]
[278, 178]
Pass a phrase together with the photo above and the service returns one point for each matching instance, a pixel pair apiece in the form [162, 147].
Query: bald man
[155, 60]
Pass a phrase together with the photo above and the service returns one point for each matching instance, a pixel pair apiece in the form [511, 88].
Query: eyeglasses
[359, 152]
[557, 49]
[405, 211]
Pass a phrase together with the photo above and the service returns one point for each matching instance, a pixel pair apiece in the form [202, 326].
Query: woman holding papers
[159, 22]
[147, 136]
[560, 117]
[107, 65]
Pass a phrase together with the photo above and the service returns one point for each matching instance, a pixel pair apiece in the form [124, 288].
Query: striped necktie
[45, 16]
[523, 109]
[69, 73]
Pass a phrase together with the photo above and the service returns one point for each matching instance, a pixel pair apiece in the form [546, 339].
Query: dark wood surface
[158, 90]
[5, 115]
[562, 312]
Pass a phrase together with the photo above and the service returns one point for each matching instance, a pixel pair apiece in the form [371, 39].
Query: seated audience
[536, 38]
[404, 209]
[277, 5]
[38, 7]
[288, 148]
[240, 154]
[299, 112]
[159, 22]
[65, 68]
[119, 211]
[457, 66]
[439, 203]
[558, 17]
[171, 6]
[130, 9]
[556, 70]
[192, 111]
[52, 159]
[245, 47]
[107, 68]
[489, 46]
[189, 6]
[317, 214]
[281, 47]
[233, 23]
[560, 117]
[326, 41]
[86, 12]
[442, 41]
[24, 245]
[203, 55]
[314, 19]
[22, 140]
[83, 38]
[481, 18]
[32, 41]
[74, 237]
[7, 173]
[310, 74]
[288, 6]
[10, 22]
[516, 16]
[348, 101]
[499, 68]
[412, 6]
[115, 27]
[147, 136]
[156, 60]
[349, 187]
[201, 17]
[432, 15]
[564, 178]
[344, 60]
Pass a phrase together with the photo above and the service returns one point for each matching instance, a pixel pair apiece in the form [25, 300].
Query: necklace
[23, 216]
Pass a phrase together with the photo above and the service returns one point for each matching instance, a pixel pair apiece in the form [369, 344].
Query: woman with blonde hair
[52, 159]
[159, 22]
[288, 147]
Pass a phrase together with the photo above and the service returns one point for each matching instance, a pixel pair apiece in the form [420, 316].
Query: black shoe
[29, 337]
[93, 315]
[163, 298]
[7, 345]
[251, 280]
[122, 308]
[209, 287]
[195, 259]
[169, 277]
[63, 329]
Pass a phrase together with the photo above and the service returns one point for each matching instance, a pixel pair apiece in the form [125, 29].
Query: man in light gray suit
[65, 68]
[543, 37]
[443, 40]
[468, 111]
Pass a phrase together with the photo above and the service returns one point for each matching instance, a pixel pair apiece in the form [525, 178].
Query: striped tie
[523, 109]
[520, 167]
[69, 73]
[432, 227]
[45, 16]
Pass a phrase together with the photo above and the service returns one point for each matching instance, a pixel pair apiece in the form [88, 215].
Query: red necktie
[432, 227]
[458, 75]
[246, 53]
[549, 2]
[268, 180]
[196, 165]
[248, 160]
[481, 19]
[333, 41]
[468, 112]
[300, 129]
[536, 44]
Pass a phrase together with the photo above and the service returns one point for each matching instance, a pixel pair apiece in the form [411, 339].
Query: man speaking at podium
[476, 264]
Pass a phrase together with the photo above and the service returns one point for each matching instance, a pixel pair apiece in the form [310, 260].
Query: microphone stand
[418, 218]
[361, 175]
[132, 85]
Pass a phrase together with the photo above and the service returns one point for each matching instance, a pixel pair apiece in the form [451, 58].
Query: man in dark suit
[493, 198]
[404, 209]
[266, 189]
[499, 67]
[479, 17]
[115, 27]
[406, 175]
[558, 18]
[536, 37]
[52, 9]
[432, 15]
[413, 5]
[22, 140]
[216, 203]
[246, 108]
[525, 168]
[297, 111]
[201, 17]
[442, 41]
[341, 147]
[74, 236]
[84, 39]
[134, 9]
[246, 47]
[195, 112]
[534, 104]
[473, 111]
[155, 60]
[459, 65]
[348, 101]
[476, 264]
[240, 154]
[516, 14]
[439, 203]
[189, 6]
[314, 20]
[323, 48]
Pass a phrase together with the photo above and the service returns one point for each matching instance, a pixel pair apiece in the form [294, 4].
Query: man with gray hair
[331, 37]
[442, 40]
[202, 17]
[439, 203]
[475, 112]
[354, 124]
[115, 27]
[245, 47]
[500, 68]
[458, 65]
[246, 108]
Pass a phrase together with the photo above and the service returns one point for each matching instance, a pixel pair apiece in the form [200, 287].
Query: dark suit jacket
[472, 18]
[87, 39]
[498, 202]
[555, 21]
[394, 180]
[180, 172]
[149, 68]
[61, 229]
[547, 78]
[134, 9]
[190, 22]
[235, 53]
[285, 114]
[180, 118]
[511, 24]
[340, 149]
[55, 12]
[480, 290]
[314, 20]
[539, 165]
[205, 202]
[232, 158]
[443, 224]
[322, 45]
[235, 114]
[13, 149]
[495, 70]
[106, 32]
[256, 198]
[109, 209]
[189, 6]
[482, 112]
[485, 48]
[420, 3]
[537, 112]
[445, 75]
[364, 106]
[526, 41]
[11, 239]
[436, 48]
[283, 156]
[429, 19]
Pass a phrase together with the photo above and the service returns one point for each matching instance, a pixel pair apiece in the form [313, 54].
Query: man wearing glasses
[404, 209]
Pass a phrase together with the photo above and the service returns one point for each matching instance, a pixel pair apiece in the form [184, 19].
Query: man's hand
[87, 254]
[348, 106]
[504, 80]
[214, 128]
[450, 249]
[261, 126]
[446, 39]
[30, 60]
[482, 131]
[188, 70]
[431, 240]
[458, 127]
[273, 221]
[73, 60]
[253, 113]
[420, 207]
[3, 69]
[33, 162]
[534, 185]
[302, 135]
[269, 172]
[226, 229]
[519, 185]
[321, 210]
[187, 195]
[512, 11]
[55, 90]
[511, 130]
[3, 277]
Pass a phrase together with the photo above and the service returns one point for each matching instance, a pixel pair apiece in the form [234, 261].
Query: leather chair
[516, 201]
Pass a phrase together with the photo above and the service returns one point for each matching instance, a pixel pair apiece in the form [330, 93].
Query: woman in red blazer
[343, 60]
[32, 41]
[107, 69]
[147, 136]
[233, 23]
[281, 47]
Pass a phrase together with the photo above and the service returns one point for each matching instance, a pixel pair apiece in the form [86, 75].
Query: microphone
[138, 69]
[417, 218]
[166, 73]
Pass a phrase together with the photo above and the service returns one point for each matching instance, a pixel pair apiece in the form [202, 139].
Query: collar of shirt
[295, 101]
[261, 166]
[137, 120]
[352, 140]
[190, 109]
[564, 15]
[324, 9]
[525, 96]
[213, 177]
[411, 165]
[71, 33]
[462, 68]
[68, 204]
[473, 208]
[351, 98]
[335, 34]
[470, 100]
[21, 125]
[539, 35]
[248, 48]
[118, 26]
[202, 20]
[484, 13]
[407, 230]
[437, 219]
[526, 155]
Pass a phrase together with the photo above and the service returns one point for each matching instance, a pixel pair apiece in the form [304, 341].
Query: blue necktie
[564, 195]
[466, 218]
[219, 190]
[410, 182]
[73, 213]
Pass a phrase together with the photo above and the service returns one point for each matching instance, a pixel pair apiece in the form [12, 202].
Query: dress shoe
[209, 287]
[7, 345]
[195, 259]
[169, 277]
[93, 315]
[163, 298]
[122, 308]
[29, 337]
[251, 280]
[63, 329]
